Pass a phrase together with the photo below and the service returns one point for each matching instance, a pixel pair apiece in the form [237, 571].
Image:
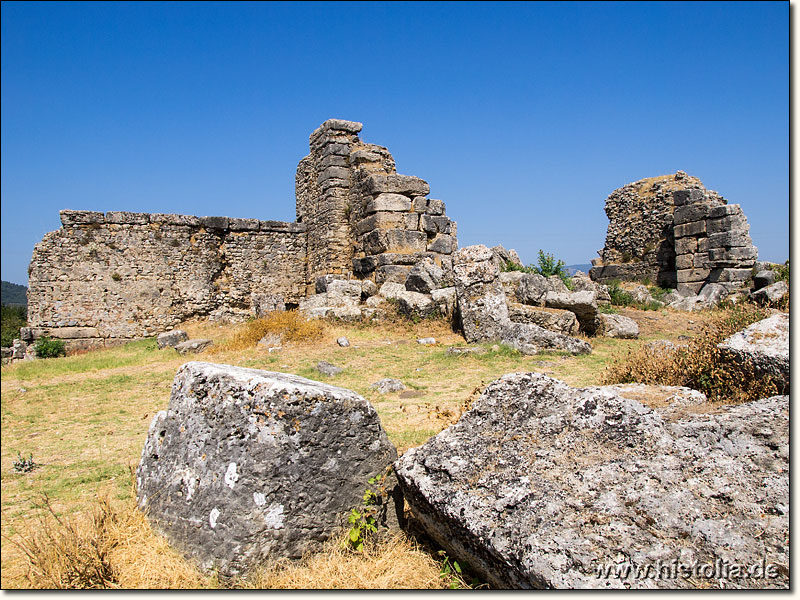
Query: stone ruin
[109, 277]
[675, 232]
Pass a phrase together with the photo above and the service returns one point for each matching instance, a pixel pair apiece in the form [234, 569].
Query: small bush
[621, 297]
[47, 347]
[11, 319]
[290, 325]
[116, 277]
[24, 465]
[700, 365]
[782, 272]
[512, 266]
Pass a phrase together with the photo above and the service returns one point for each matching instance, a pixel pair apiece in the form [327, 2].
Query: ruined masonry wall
[128, 275]
[113, 276]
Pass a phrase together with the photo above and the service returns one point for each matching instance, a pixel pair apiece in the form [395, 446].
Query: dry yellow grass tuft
[289, 325]
[110, 547]
[393, 562]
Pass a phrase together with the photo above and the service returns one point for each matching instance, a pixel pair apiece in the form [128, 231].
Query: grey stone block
[127, 218]
[729, 239]
[81, 217]
[389, 202]
[443, 244]
[217, 223]
[248, 466]
[409, 185]
[435, 207]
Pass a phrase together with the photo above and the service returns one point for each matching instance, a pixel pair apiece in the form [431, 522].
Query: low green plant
[658, 292]
[607, 309]
[47, 347]
[363, 522]
[508, 266]
[24, 465]
[116, 276]
[450, 571]
[782, 272]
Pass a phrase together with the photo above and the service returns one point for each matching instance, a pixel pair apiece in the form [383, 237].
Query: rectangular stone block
[702, 244]
[443, 244]
[394, 240]
[332, 183]
[332, 160]
[727, 275]
[729, 239]
[243, 224]
[420, 204]
[722, 211]
[685, 246]
[688, 275]
[433, 225]
[693, 228]
[359, 157]
[690, 212]
[393, 273]
[392, 258]
[334, 173]
[171, 219]
[692, 288]
[700, 260]
[411, 221]
[742, 254]
[127, 218]
[81, 217]
[435, 207]
[684, 197]
[727, 223]
[364, 266]
[381, 220]
[395, 183]
[389, 202]
[340, 149]
[684, 261]
[73, 333]
[214, 222]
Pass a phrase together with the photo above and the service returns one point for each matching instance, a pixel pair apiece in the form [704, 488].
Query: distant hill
[13, 294]
[584, 267]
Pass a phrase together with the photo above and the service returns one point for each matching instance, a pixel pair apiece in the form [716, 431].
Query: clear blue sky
[522, 117]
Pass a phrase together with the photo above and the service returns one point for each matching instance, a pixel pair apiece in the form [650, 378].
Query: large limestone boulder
[763, 345]
[541, 485]
[583, 304]
[552, 319]
[249, 465]
[533, 288]
[771, 294]
[484, 311]
[617, 326]
[170, 339]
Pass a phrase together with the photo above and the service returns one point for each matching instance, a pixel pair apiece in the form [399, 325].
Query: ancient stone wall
[651, 234]
[120, 275]
[127, 275]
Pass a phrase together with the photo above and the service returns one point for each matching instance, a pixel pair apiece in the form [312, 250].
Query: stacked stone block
[400, 226]
[673, 231]
[122, 275]
[712, 243]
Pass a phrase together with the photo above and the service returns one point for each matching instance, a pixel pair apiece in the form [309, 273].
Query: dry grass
[699, 365]
[289, 326]
[112, 546]
[394, 562]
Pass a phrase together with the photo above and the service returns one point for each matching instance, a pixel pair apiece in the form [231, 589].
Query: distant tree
[11, 319]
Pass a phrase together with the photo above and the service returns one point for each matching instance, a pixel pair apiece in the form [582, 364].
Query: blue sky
[523, 117]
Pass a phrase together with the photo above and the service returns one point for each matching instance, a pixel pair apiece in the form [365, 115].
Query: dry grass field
[84, 419]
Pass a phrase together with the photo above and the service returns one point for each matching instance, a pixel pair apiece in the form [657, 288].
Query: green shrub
[512, 266]
[47, 347]
[13, 317]
[782, 273]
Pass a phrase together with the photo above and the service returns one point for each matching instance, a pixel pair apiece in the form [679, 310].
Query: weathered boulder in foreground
[540, 485]
[765, 346]
[484, 311]
[247, 465]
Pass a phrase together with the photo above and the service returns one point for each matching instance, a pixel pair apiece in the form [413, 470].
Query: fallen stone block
[765, 346]
[552, 319]
[193, 346]
[772, 294]
[540, 485]
[247, 466]
[617, 326]
[583, 304]
[388, 385]
[328, 369]
[171, 338]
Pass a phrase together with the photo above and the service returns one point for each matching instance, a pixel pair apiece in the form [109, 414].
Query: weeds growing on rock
[700, 365]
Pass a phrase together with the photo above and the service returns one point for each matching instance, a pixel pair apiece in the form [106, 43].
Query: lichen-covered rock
[764, 345]
[327, 368]
[249, 465]
[552, 319]
[388, 385]
[424, 277]
[540, 485]
[414, 304]
[194, 346]
[771, 294]
[617, 326]
[583, 304]
[484, 312]
[170, 339]
[533, 288]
